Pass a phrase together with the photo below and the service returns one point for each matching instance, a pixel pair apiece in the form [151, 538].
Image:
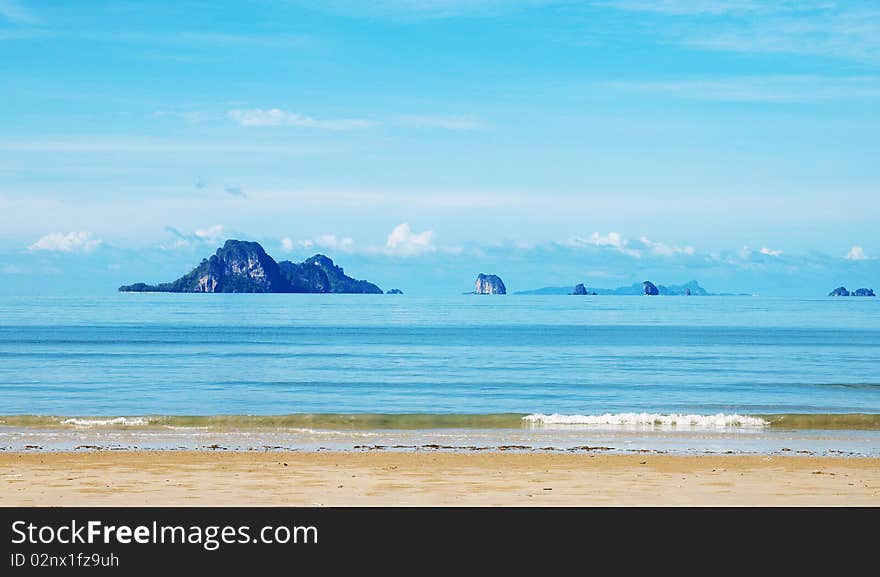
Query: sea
[314, 372]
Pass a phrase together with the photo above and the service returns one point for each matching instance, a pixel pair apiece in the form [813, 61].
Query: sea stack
[580, 289]
[650, 288]
[489, 284]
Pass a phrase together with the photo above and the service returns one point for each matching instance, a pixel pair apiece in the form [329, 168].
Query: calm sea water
[161, 354]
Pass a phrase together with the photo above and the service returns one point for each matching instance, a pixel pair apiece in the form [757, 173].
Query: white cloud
[662, 249]
[210, 234]
[746, 252]
[325, 241]
[287, 244]
[612, 240]
[276, 117]
[616, 241]
[857, 253]
[70, 242]
[404, 242]
[331, 241]
[453, 122]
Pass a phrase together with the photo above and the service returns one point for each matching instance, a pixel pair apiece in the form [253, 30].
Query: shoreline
[436, 478]
[622, 433]
[414, 421]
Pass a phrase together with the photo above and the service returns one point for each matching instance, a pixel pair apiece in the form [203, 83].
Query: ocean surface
[312, 371]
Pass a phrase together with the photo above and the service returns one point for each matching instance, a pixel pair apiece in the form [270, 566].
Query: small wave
[108, 422]
[719, 420]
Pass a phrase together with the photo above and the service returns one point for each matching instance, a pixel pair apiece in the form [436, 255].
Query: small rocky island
[842, 292]
[244, 267]
[489, 284]
[580, 289]
[394, 292]
[650, 288]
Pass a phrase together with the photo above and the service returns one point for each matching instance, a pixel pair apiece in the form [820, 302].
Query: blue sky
[421, 142]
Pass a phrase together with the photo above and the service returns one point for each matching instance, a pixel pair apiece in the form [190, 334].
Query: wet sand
[215, 478]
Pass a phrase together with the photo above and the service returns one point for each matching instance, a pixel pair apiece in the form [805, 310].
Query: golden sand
[172, 478]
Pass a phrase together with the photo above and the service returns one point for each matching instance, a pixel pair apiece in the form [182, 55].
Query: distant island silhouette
[691, 288]
[244, 267]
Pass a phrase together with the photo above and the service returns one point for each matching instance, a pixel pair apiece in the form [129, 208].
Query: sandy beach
[183, 478]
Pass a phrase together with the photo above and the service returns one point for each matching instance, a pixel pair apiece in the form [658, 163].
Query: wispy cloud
[747, 253]
[211, 233]
[663, 249]
[259, 117]
[236, 191]
[613, 240]
[758, 88]
[411, 10]
[15, 12]
[206, 39]
[692, 7]
[69, 242]
[845, 30]
[325, 241]
[208, 235]
[99, 143]
[638, 248]
[451, 122]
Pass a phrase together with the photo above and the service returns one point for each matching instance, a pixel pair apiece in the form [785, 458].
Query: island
[686, 289]
[244, 267]
[394, 292]
[489, 284]
[842, 292]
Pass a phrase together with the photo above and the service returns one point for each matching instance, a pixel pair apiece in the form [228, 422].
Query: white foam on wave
[716, 421]
[108, 422]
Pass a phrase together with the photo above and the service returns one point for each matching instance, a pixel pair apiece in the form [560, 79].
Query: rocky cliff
[650, 288]
[489, 284]
[244, 267]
